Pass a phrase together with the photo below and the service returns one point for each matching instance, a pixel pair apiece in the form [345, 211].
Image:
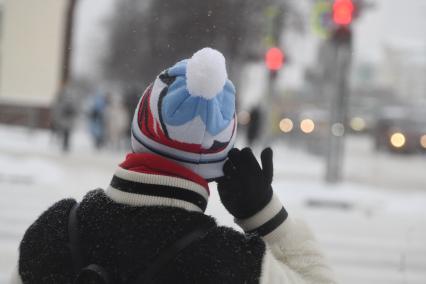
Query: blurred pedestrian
[149, 225]
[63, 115]
[254, 126]
[131, 98]
[117, 121]
[97, 118]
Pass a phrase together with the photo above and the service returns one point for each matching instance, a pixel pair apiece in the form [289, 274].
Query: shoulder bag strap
[74, 239]
[77, 259]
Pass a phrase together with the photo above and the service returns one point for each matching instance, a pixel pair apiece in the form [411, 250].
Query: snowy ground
[372, 227]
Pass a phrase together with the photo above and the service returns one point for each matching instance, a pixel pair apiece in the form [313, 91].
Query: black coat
[125, 239]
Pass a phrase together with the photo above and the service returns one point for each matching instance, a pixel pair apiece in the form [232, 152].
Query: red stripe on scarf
[148, 163]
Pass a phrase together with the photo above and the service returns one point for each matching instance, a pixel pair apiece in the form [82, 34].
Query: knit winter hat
[188, 114]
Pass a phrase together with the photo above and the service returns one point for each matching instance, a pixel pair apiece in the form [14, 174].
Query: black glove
[246, 188]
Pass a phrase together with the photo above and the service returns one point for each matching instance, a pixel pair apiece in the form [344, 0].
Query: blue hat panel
[179, 107]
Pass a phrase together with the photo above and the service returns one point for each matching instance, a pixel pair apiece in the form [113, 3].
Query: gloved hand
[246, 188]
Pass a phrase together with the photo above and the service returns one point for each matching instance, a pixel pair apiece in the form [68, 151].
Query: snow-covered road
[372, 227]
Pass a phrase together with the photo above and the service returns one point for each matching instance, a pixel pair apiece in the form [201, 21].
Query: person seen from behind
[149, 226]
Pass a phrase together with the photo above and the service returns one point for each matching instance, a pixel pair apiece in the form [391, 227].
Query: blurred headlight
[307, 125]
[286, 125]
[423, 141]
[357, 124]
[397, 140]
[243, 117]
[338, 129]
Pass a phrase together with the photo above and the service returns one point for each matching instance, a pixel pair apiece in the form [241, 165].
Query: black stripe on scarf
[159, 190]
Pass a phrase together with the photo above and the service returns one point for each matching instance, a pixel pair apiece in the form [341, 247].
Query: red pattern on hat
[146, 123]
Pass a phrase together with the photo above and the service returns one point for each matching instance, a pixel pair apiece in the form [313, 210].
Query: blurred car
[400, 130]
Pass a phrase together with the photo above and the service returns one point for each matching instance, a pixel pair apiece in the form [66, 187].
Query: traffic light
[343, 12]
[274, 59]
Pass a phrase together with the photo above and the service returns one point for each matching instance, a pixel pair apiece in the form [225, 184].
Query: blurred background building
[32, 46]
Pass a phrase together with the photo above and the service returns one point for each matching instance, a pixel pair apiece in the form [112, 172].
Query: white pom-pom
[206, 73]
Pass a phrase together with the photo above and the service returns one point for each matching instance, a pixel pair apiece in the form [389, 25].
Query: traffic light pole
[341, 48]
[274, 59]
[266, 112]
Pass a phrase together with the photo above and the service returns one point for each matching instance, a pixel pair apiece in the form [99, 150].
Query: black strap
[81, 273]
[93, 273]
[167, 255]
[74, 239]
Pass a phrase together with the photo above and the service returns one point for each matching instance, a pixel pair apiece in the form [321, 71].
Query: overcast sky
[397, 22]
[90, 33]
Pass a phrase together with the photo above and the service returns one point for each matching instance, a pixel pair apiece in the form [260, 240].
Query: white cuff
[266, 220]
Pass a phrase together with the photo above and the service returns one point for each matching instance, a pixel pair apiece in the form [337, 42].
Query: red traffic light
[343, 12]
[274, 59]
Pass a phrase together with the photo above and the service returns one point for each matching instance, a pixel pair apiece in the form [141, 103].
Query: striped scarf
[146, 179]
